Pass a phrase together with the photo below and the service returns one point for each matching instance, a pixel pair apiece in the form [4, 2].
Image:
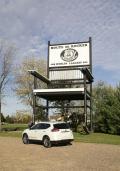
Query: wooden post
[47, 109]
[34, 100]
[47, 102]
[91, 122]
[85, 100]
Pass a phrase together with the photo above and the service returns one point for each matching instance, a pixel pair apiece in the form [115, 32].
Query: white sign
[69, 55]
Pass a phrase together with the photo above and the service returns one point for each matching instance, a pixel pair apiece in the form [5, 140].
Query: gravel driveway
[15, 156]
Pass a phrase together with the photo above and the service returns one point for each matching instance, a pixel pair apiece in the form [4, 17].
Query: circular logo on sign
[69, 55]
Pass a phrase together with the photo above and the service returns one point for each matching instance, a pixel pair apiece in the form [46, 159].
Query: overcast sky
[29, 24]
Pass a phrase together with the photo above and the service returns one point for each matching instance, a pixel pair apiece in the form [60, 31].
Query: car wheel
[25, 139]
[46, 142]
[69, 143]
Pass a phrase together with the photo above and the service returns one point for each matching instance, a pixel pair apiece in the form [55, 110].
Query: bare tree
[7, 52]
[24, 81]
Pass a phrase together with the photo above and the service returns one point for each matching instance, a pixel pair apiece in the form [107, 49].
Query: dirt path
[15, 156]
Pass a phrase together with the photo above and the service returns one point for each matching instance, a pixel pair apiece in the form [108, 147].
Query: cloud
[30, 24]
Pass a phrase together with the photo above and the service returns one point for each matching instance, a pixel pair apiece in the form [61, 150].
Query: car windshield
[62, 126]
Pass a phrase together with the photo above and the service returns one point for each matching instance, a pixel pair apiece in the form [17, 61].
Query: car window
[62, 126]
[41, 126]
[46, 126]
[35, 126]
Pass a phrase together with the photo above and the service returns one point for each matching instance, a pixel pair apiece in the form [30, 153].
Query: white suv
[48, 133]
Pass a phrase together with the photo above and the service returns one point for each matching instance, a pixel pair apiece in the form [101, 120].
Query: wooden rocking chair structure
[69, 77]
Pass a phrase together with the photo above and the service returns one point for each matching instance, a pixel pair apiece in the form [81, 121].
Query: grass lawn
[19, 127]
[98, 138]
[91, 138]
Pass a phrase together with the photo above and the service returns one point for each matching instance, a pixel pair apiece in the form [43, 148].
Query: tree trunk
[0, 114]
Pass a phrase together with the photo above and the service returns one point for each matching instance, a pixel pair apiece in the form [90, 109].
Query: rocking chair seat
[60, 93]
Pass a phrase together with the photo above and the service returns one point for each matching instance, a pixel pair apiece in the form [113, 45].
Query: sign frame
[74, 58]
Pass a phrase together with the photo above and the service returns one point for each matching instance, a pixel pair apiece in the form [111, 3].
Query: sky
[31, 24]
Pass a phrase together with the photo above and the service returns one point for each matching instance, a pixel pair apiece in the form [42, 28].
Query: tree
[106, 108]
[41, 115]
[2, 118]
[22, 116]
[117, 109]
[24, 81]
[7, 52]
[9, 119]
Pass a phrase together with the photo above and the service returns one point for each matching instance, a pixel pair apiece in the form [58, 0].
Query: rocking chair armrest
[39, 76]
[88, 74]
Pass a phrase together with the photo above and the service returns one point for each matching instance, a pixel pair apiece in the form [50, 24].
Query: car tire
[69, 143]
[47, 142]
[25, 139]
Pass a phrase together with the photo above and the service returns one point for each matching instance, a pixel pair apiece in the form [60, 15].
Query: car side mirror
[30, 125]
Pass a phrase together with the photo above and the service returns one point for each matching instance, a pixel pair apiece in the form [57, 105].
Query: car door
[33, 131]
[42, 130]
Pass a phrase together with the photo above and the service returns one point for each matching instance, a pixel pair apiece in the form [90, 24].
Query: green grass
[11, 132]
[91, 138]
[20, 127]
[98, 138]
